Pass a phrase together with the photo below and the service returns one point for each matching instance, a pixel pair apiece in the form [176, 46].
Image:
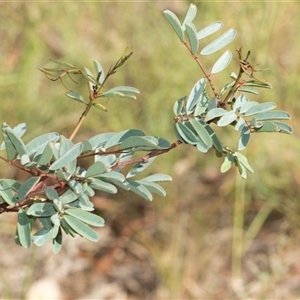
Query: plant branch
[207, 76]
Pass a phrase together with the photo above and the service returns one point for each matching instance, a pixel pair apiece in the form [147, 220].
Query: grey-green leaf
[46, 156]
[57, 242]
[6, 193]
[26, 187]
[284, 128]
[117, 138]
[43, 236]
[100, 139]
[8, 145]
[100, 71]
[259, 108]
[244, 138]
[86, 217]
[137, 142]
[178, 107]
[215, 113]
[17, 142]
[101, 185]
[81, 228]
[75, 96]
[68, 157]
[208, 30]
[192, 36]
[175, 23]
[95, 169]
[201, 132]
[227, 118]
[273, 115]
[219, 43]
[222, 62]
[228, 161]
[187, 135]
[41, 209]
[195, 95]
[190, 15]
[140, 190]
[153, 187]
[140, 167]
[244, 161]
[39, 143]
[23, 228]
[158, 177]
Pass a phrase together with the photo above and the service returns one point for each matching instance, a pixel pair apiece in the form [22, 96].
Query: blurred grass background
[204, 210]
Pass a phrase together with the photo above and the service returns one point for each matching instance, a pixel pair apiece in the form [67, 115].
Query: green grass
[194, 256]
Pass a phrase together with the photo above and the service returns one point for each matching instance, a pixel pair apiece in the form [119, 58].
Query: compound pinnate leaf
[259, 108]
[67, 157]
[195, 95]
[219, 43]
[190, 15]
[26, 187]
[227, 118]
[43, 236]
[23, 229]
[86, 217]
[81, 228]
[208, 30]
[41, 210]
[222, 62]
[75, 96]
[175, 23]
[192, 36]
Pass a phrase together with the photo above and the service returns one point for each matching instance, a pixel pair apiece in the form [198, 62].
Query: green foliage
[59, 190]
